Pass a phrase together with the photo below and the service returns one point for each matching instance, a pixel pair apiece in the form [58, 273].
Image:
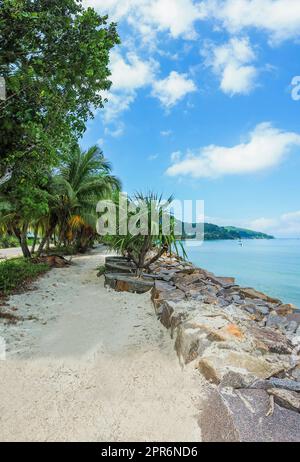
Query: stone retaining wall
[246, 345]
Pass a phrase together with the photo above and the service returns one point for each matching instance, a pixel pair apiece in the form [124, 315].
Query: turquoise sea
[269, 266]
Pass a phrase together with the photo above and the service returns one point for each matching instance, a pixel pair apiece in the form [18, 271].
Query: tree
[83, 179]
[151, 238]
[54, 58]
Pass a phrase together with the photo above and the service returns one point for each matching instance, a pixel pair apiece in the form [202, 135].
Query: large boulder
[124, 283]
[254, 294]
[270, 341]
[237, 369]
[241, 416]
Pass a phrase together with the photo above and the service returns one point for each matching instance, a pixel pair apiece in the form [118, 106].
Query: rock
[258, 311]
[119, 267]
[219, 367]
[284, 310]
[210, 300]
[270, 341]
[172, 314]
[190, 343]
[287, 399]
[162, 291]
[291, 328]
[241, 417]
[296, 373]
[284, 384]
[226, 282]
[124, 283]
[254, 294]
[277, 322]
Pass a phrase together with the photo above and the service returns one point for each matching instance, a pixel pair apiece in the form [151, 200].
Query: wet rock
[219, 367]
[240, 416]
[287, 399]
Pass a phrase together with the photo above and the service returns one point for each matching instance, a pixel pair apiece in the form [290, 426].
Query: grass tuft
[16, 273]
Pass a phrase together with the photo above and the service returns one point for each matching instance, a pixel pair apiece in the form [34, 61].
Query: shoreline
[69, 369]
[268, 266]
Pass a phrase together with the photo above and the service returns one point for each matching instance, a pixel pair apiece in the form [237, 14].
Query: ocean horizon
[270, 266]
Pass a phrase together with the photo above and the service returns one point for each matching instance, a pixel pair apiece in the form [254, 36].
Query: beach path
[88, 364]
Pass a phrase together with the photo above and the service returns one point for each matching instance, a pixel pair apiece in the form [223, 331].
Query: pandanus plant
[151, 231]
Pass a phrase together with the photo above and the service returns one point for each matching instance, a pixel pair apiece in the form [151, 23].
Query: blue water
[269, 266]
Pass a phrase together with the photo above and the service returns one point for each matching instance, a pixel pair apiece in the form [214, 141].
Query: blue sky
[201, 106]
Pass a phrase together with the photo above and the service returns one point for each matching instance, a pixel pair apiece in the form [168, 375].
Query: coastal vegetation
[214, 233]
[55, 64]
[17, 272]
[148, 239]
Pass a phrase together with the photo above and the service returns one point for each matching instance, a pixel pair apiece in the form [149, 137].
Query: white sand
[95, 366]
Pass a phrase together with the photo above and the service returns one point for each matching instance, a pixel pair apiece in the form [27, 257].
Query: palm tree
[83, 179]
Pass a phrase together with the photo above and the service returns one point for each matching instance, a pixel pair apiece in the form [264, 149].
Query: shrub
[7, 242]
[14, 273]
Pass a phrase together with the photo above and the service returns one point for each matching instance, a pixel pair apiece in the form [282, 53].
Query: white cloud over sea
[266, 147]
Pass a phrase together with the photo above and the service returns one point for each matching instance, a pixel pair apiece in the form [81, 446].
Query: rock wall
[246, 345]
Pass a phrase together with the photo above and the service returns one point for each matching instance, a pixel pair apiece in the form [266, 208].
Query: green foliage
[14, 273]
[100, 270]
[54, 58]
[7, 242]
[214, 232]
[152, 240]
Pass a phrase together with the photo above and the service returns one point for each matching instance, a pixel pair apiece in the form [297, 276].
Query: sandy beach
[89, 364]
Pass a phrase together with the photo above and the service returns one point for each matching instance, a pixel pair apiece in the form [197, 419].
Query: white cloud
[128, 74]
[175, 156]
[266, 147]
[173, 88]
[279, 18]
[287, 225]
[177, 17]
[117, 104]
[166, 133]
[231, 62]
[116, 131]
[153, 157]
[131, 73]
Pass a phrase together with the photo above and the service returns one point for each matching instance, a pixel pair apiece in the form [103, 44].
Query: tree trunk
[22, 238]
[34, 240]
[49, 232]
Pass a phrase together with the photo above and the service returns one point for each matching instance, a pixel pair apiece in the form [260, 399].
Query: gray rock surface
[241, 416]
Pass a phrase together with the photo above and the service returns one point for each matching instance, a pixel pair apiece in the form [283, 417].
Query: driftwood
[54, 261]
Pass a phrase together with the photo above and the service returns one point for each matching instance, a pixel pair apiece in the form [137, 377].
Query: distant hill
[214, 232]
